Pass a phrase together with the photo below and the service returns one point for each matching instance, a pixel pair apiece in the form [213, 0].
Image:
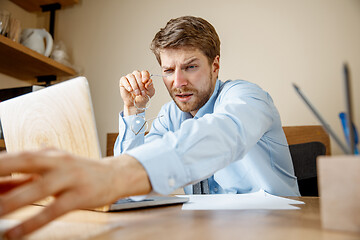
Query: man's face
[189, 77]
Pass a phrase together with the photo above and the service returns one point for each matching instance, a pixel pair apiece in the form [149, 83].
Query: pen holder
[338, 180]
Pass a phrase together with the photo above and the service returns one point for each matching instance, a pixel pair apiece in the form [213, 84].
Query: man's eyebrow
[191, 60]
[165, 67]
[187, 62]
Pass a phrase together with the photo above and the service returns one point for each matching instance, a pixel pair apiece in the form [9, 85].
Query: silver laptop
[62, 116]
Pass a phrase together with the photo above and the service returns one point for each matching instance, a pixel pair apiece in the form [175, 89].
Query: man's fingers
[25, 162]
[36, 190]
[8, 183]
[150, 90]
[138, 78]
[130, 84]
[148, 84]
[63, 204]
[134, 84]
[125, 84]
[145, 76]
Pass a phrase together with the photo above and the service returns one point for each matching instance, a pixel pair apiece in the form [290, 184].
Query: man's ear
[216, 65]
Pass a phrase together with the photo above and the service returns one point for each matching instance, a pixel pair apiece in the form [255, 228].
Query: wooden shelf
[23, 63]
[2, 143]
[34, 5]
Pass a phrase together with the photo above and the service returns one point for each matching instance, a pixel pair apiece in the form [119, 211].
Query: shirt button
[215, 189]
[171, 182]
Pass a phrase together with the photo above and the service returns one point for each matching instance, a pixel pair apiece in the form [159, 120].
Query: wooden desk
[173, 223]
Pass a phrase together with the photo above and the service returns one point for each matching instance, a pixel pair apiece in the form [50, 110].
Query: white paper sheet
[256, 200]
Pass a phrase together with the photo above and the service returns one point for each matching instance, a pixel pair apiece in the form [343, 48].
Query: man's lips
[184, 97]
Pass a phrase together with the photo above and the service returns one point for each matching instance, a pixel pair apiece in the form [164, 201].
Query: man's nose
[179, 79]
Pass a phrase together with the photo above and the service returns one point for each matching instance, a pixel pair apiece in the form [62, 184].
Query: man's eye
[191, 67]
[168, 71]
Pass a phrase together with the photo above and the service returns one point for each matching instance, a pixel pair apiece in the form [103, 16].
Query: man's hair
[187, 31]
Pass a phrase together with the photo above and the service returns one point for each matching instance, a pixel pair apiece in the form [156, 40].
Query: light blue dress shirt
[235, 140]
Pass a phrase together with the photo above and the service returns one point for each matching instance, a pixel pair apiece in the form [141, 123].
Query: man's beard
[201, 97]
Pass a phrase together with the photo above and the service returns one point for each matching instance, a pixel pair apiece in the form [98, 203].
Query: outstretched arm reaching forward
[75, 182]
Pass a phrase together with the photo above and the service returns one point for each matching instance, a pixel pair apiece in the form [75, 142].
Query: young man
[229, 133]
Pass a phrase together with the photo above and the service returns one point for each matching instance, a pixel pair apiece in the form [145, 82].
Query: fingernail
[137, 92]
[143, 93]
[129, 89]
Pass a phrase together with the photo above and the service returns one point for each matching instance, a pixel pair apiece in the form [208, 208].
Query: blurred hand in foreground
[75, 183]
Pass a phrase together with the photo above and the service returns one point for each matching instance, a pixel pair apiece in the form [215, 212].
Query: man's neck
[193, 113]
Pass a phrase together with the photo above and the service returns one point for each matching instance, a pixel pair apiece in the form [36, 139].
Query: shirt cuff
[125, 123]
[163, 166]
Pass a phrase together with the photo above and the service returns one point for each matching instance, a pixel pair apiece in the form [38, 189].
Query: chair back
[304, 134]
[306, 143]
[110, 142]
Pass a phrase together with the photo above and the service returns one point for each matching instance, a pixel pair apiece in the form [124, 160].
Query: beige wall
[271, 43]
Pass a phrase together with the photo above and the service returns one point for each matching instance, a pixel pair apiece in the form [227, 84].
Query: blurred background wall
[271, 43]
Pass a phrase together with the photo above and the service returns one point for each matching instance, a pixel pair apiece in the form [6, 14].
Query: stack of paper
[256, 200]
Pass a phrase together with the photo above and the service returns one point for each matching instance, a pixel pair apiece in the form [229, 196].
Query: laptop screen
[59, 116]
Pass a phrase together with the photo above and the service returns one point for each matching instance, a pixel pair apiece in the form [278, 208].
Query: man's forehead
[180, 56]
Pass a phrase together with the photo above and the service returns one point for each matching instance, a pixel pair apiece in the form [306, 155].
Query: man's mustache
[184, 90]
